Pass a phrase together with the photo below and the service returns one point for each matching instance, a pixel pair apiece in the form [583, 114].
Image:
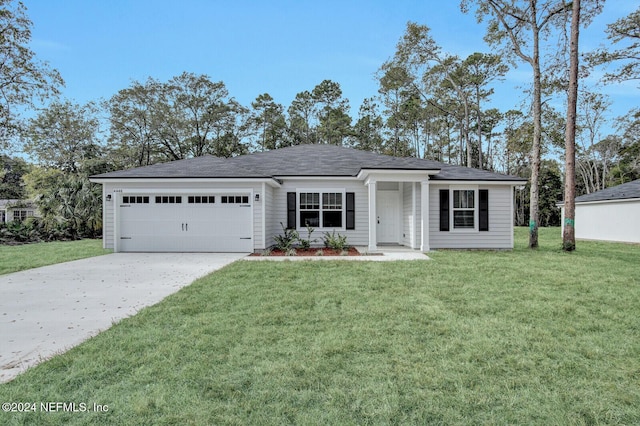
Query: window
[21, 215]
[135, 199]
[464, 209]
[201, 199]
[234, 199]
[332, 210]
[467, 209]
[310, 209]
[325, 214]
[169, 199]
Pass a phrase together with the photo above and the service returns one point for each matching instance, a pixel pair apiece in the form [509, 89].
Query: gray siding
[272, 227]
[107, 226]
[500, 231]
[358, 236]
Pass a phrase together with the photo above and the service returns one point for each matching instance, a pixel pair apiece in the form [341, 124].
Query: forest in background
[430, 104]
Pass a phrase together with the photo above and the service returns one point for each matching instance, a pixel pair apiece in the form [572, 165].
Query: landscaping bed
[312, 251]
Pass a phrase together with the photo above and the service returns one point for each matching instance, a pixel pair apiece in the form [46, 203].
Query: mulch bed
[351, 251]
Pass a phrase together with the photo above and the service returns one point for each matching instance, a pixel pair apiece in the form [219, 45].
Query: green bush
[35, 230]
[335, 241]
[287, 239]
[306, 243]
[13, 232]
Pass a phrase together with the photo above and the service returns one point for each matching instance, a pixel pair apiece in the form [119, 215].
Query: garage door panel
[151, 243]
[168, 228]
[205, 244]
[186, 226]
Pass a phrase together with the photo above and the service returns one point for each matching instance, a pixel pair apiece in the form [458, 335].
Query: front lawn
[27, 256]
[470, 337]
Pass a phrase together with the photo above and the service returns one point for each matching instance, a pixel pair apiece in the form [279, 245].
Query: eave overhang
[395, 175]
[478, 182]
[610, 201]
[275, 183]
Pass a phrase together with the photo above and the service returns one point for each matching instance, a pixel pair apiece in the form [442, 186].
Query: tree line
[430, 104]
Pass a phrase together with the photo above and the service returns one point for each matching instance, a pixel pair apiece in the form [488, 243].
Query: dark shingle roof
[301, 160]
[207, 166]
[620, 192]
[325, 160]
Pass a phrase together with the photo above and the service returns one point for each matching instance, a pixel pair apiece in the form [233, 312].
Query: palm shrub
[72, 209]
[306, 243]
[335, 242]
[287, 239]
[13, 232]
[29, 231]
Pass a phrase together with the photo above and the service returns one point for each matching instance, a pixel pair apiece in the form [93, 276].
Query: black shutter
[483, 219]
[444, 209]
[291, 210]
[351, 210]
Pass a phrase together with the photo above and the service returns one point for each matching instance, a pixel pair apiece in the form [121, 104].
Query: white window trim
[23, 214]
[476, 209]
[342, 191]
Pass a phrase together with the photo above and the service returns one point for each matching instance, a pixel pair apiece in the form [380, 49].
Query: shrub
[286, 240]
[290, 252]
[16, 232]
[336, 242]
[306, 243]
[35, 230]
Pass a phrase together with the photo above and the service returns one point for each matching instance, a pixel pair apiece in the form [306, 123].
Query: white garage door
[186, 223]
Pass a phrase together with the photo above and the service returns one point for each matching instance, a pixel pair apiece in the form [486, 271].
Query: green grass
[471, 337]
[27, 256]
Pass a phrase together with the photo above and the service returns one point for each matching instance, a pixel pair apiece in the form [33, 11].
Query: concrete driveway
[48, 310]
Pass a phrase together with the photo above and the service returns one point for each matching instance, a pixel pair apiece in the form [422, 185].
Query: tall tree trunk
[489, 153]
[462, 145]
[569, 233]
[448, 143]
[479, 129]
[537, 139]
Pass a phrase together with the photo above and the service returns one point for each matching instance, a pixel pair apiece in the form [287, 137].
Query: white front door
[388, 216]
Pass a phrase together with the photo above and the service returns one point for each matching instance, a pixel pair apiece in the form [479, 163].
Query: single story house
[238, 204]
[17, 210]
[612, 214]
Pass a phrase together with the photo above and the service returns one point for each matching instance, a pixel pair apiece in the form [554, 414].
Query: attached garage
[185, 222]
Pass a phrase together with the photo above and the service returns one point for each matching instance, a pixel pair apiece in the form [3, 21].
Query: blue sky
[279, 47]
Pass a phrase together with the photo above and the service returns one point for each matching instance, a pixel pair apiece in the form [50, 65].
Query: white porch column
[373, 217]
[424, 215]
[414, 219]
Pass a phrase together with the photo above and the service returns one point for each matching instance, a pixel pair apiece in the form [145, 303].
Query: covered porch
[398, 209]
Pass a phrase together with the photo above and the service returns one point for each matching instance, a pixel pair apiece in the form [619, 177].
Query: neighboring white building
[612, 214]
[238, 204]
[17, 210]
